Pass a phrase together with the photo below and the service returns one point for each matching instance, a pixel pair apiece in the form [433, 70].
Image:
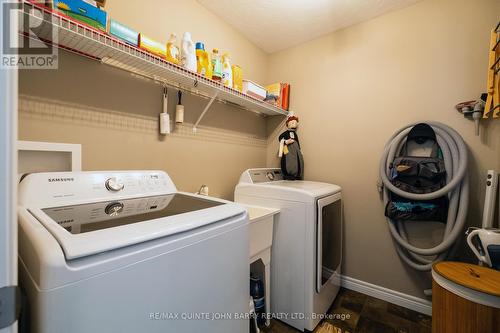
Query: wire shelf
[98, 45]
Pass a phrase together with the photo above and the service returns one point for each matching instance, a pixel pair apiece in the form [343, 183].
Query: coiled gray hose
[457, 189]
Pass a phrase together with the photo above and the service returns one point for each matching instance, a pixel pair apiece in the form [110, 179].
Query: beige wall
[113, 114]
[158, 18]
[352, 89]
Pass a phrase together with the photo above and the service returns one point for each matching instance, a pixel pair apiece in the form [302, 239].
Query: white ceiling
[275, 25]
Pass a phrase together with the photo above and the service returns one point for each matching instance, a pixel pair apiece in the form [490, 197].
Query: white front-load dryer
[307, 243]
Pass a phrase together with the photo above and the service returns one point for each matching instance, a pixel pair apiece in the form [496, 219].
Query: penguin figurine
[292, 162]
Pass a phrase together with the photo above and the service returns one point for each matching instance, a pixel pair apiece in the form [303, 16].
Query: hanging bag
[412, 172]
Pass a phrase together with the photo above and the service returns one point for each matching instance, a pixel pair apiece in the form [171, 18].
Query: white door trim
[74, 150]
[392, 296]
[8, 179]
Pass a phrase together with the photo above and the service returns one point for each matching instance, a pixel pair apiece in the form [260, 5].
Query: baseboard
[395, 297]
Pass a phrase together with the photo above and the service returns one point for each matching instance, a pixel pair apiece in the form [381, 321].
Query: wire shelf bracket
[205, 110]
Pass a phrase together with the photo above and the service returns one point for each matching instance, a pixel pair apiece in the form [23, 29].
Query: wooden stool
[465, 298]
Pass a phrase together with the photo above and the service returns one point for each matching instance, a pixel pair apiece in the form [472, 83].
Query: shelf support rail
[212, 99]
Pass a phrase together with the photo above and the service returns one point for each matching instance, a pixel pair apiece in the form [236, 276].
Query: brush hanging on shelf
[179, 109]
[164, 116]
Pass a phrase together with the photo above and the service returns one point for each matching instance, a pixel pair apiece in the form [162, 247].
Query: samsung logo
[65, 221]
[52, 180]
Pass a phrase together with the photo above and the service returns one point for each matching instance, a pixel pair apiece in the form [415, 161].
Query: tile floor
[367, 315]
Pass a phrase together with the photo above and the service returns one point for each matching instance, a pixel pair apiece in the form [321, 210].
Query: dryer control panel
[261, 175]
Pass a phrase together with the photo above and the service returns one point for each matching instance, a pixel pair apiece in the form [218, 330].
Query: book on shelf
[278, 94]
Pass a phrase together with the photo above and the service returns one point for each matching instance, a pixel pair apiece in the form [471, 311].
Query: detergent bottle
[188, 53]
[216, 66]
[237, 78]
[227, 72]
[173, 50]
[204, 67]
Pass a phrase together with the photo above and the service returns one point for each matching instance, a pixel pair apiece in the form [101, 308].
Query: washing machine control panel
[265, 175]
[55, 189]
[128, 183]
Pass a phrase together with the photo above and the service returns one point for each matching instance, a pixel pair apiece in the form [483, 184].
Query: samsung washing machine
[307, 245]
[125, 251]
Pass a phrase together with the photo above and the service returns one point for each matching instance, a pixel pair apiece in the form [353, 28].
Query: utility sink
[261, 240]
[261, 228]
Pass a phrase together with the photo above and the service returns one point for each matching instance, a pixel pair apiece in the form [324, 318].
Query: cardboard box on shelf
[148, 44]
[254, 90]
[278, 94]
[101, 3]
[285, 96]
[123, 32]
[81, 11]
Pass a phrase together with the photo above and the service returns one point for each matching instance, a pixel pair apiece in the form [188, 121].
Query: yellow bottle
[204, 66]
[227, 71]
[237, 78]
[173, 54]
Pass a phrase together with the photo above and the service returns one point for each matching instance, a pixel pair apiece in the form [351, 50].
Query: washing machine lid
[94, 227]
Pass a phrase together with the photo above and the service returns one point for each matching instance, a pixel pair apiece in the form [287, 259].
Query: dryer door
[329, 239]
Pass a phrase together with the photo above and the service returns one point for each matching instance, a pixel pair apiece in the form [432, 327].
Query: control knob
[112, 184]
[114, 209]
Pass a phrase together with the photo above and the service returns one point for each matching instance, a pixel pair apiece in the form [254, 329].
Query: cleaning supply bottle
[204, 67]
[258, 294]
[227, 71]
[237, 78]
[173, 50]
[188, 53]
[216, 66]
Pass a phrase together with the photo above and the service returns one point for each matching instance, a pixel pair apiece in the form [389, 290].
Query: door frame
[8, 171]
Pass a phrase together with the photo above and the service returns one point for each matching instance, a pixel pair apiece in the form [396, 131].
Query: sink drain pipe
[457, 189]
